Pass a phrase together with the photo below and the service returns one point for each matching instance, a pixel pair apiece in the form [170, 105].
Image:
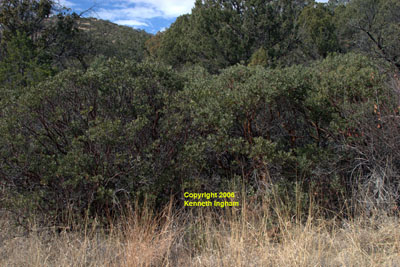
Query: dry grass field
[247, 236]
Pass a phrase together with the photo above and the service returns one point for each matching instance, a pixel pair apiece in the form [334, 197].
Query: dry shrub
[376, 165]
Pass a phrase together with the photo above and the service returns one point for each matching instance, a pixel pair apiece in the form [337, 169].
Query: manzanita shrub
[86, 141]
[281, 127]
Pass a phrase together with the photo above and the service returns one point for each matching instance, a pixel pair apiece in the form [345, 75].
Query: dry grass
[305, 245]
[48, 247]
[260, 236]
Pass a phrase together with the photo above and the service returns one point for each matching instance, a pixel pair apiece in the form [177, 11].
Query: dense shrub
[122, 130]
[86, 139]
[282, 126]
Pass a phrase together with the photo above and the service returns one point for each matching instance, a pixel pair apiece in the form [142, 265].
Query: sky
[149, 15]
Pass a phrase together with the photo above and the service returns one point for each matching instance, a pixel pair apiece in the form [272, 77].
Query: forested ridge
[251, 96]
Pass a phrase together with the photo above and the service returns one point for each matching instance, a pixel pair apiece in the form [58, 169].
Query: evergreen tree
[372, 26]
[221, 33]
[318, 30]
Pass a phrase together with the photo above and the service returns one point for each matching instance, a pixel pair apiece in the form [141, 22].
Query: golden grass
[247, 236]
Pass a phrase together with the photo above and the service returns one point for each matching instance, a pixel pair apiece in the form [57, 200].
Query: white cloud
[169, 8]
[144, 9]
[137, 13]
[140, 12]
[131, 22]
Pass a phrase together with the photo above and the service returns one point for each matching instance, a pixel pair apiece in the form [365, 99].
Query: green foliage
[20, 24]
[317, 30]
[87, 139]
[108, 129]
[51, 42]
[278, 126]
[260, 57]
[175, 47]
[25, 16]
[219, 34]
[21, 67]
[153, 45]
[121, 130]
[373, 27]
[111, 40]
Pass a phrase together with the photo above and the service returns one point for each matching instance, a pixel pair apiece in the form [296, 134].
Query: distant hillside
[112, 40]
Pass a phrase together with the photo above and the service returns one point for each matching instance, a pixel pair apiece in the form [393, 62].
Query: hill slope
[112, 40]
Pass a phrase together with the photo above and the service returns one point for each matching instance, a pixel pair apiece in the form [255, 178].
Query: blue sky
[149, 15]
